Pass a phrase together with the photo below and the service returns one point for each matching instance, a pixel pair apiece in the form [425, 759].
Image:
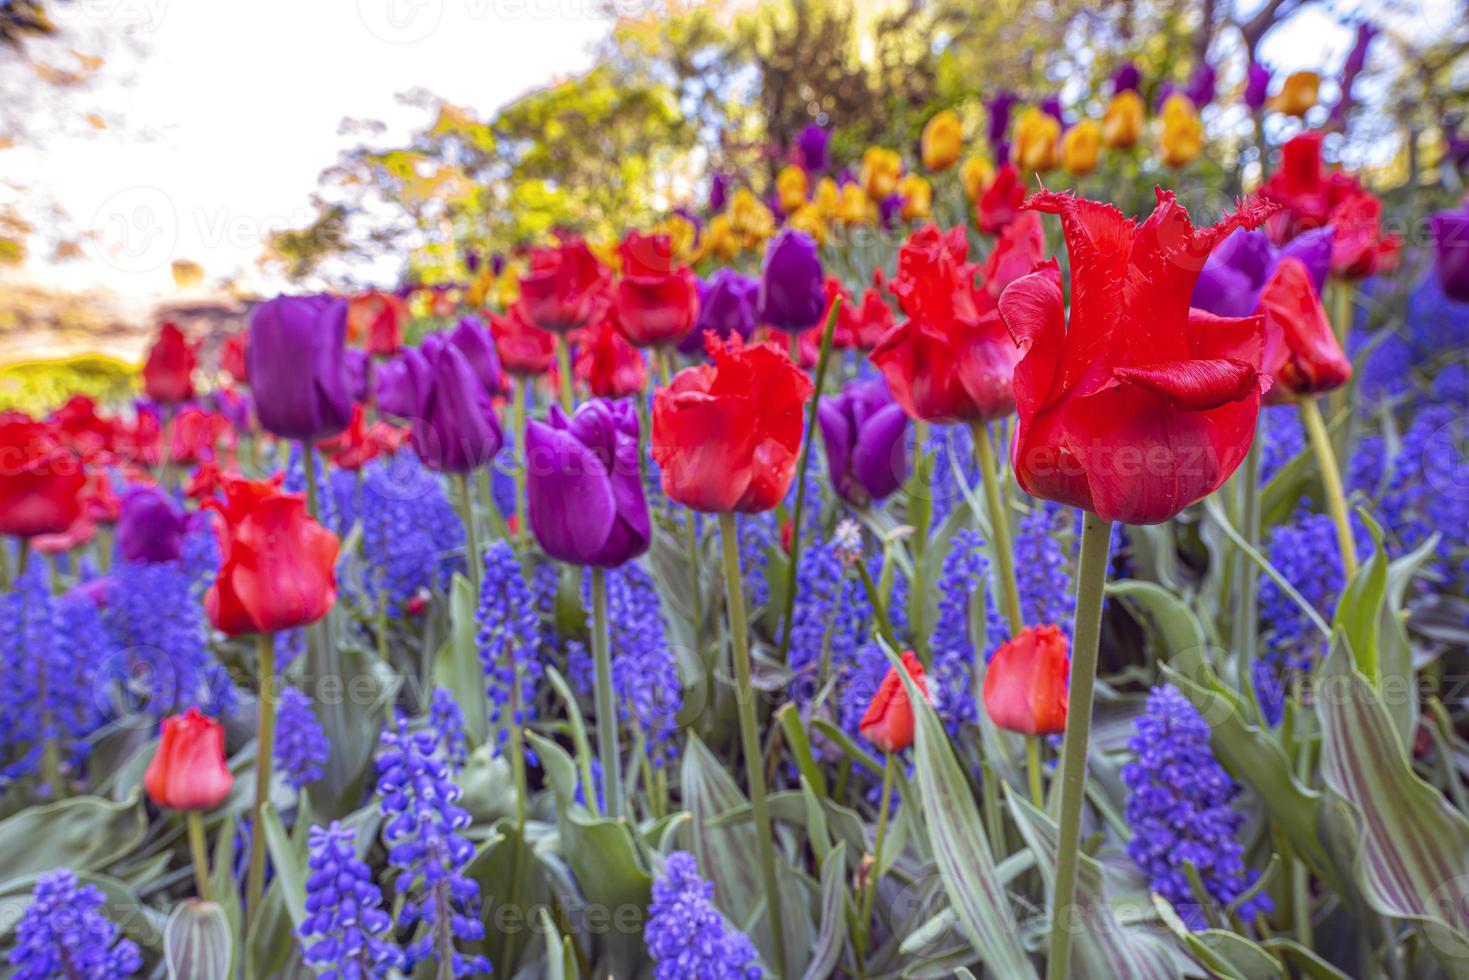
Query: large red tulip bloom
[726, 434]
[41, 480]
[952, 359]
[1025, 682]
[188, 771]
[278, 565]
[1139, 408]
[564, 289]
[168, 373]
[524, 349]
[377, 320]
[656, 303]
[607, 364]
[888, 721]
[232, 360]
[1301, 352]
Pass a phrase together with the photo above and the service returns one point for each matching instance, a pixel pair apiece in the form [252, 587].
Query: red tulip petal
[1195, 386]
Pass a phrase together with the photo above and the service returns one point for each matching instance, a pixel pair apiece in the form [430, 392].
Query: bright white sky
[221, 120]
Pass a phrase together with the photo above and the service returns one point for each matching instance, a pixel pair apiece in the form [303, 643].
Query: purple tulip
[864, 432]
[1257, 86]
[718, 192]
[1201, 85]
[1239, 267]
[359, 372]
[792, 294]
[233, 404]
[150, 526]
[473, 339]
[585, 498]
[1126, 78]
[890, 210]
[1164, 91]
[1051, 106]
[453, 426]
[999, 106]
[845, 177]
[497, 263]
[298, 368]
[727, 308]
[1451, 252]
[813, 143]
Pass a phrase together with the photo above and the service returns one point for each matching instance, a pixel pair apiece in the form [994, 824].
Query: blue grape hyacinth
[685, 933]
[345, 928]
[509, 636]
[302, 747]
[447, 722]
[63, 933]
[1179, 806]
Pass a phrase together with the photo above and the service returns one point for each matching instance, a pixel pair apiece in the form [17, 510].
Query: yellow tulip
[827, 200]
[507, 287]
[976, 175]
[808, 219]
[917, 195]
[750, 220]
[880, 170]
[1081, 146]
[683, 236]
[1036, 136]
[607, 251]
[1298, 94]
[856, 208]
[479, 287]
[942, 140]
[790, 187]
[1122, 126]
[723, 243]
[1183, 133]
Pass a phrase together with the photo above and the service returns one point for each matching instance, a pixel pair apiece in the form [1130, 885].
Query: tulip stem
[308, 469]
[606, 699]
[1336, 498]
[1247, 612]
[195, 821]
[563, 368]
[264, 751]
[691, 530]
[1091, 582]
[521, 472]
[471, 536]
[821, 362]
[1033, 768]
[984, 448]
[869, 887]
[749, 732]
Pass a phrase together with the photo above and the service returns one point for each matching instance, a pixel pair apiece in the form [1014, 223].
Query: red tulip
[655, 302]
[564, 288]
[1000, 203]
[1313, 198]
[1301, 352]
[888, 722]
[188, 771]
[82, 531]
[41, 481]
[607, 364]
[199, 435]
[952, 359]
[726, 434]
[355, 446]
[99, 503]
[232, 357]
[523, 348]
[1138, 409]
[168, 371]
[80, 427]
[1025, 684]
[859, 326]
[277, 567]
[1020, 249]
[377, 319]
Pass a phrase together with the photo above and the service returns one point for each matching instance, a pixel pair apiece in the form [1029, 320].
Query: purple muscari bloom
[582, 486]
[1051, 106]
[727, 307]
[1305, 550]
[792, 292]
[813, 143]
[686, 935]
[1240, 266]
[1201, 85]
[297, 366]
[345, 927]
[1126, 78]
[1451, 252]
[1257, 86]
[64, 933]
[999, 106]
[1041, 571]
[1179, 807]
[509, 635]
[718, 192]
[150, 526]
[301, 748]
[863, 431]
[422, 825]
[358, 364]
[447, 721]
[890, 210]
[473, 339]
[453, 424]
